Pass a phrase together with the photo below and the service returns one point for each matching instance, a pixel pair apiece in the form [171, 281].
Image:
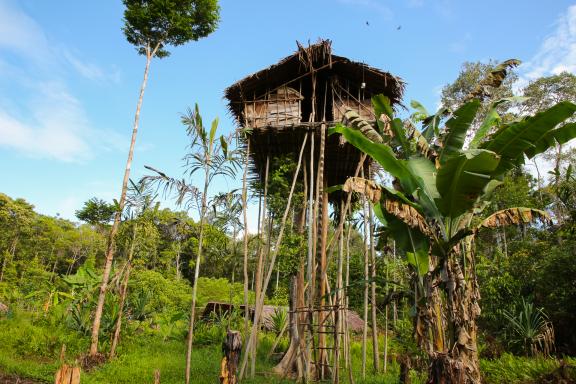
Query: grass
[30, 348]
[515, 369]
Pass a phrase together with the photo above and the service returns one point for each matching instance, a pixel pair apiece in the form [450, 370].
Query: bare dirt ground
[12, 379]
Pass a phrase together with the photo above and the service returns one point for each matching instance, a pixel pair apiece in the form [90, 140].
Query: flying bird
[398, 27]
[367, 23]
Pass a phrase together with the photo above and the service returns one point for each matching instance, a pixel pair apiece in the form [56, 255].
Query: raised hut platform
[305, 90]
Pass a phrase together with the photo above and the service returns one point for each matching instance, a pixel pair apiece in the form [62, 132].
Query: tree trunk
[8, 254]
[454, 357]
[322, 233]
[178, 251]
[231, 347]
[339, 302]
[310, 261]
[260, 268]
[197, 273]
[123, 292]
[112, 236]
[292, 363]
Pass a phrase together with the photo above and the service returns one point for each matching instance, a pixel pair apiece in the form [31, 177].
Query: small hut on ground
[214, 308]
[287, 109]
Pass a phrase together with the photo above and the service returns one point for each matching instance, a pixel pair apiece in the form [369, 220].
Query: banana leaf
[515, 139]
[456, 127]
[560, 136]
[462, 179]
[412, 240]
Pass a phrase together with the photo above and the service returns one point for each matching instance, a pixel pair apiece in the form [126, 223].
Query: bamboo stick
[366, 272]
[245, 216]
[259, 268]
[260, 302]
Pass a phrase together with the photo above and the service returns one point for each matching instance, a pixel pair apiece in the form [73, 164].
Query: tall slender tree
[151, 25]
[210, 155]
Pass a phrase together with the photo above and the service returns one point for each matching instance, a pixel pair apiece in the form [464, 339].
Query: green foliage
[139, 307]
[164, 294]
[96, 212]
[279, 320]
[172, 326]
[530, 329]
[517, 370]
[211, 289]
[157, 23]
[470, 76]
[547, 91]
[37, 336]
[280, 296]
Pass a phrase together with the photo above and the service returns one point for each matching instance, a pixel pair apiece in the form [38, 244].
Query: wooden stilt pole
[310, 261]
[276, 249]
[245, 216]
[366, 276]
[375, 349]
[260, 267]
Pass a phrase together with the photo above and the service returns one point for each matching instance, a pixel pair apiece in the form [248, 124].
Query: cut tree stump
[67, 375]
[156, 376]
[231, 347]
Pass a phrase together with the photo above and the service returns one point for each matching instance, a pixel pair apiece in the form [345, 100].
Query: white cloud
[557, 53]
[20, 33]
[88, 70]
[55, 127]
[39, 115]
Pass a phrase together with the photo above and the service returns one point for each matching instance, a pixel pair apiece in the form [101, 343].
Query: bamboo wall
[279, 108]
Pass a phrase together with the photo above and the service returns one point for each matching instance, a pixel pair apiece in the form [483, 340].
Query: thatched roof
[326, 83]
[293, 68]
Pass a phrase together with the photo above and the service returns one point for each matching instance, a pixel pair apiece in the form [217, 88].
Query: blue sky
[69, 80]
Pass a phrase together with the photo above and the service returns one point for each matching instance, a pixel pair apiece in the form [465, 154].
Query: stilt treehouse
[288, 108]
[306, 91]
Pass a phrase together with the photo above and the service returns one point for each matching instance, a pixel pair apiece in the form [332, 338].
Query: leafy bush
[165, 294]
[280, 297]
[25, 335]
[531, 330]
[139, 307]
[208, 333]
[211, 289]
[279, 320]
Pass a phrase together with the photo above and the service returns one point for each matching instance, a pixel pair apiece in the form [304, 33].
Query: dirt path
[12, 379]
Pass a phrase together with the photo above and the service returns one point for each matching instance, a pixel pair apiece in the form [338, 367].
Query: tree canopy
[150, 25]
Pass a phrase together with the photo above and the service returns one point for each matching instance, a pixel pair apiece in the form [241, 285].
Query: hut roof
[321, 84]
[297, 66]
[355, 322]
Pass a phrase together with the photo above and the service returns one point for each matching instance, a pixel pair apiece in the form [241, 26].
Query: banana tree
[439, 187]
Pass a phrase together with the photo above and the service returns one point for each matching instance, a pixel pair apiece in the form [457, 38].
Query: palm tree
[211, 156]
[439, 187]
[226, 216]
